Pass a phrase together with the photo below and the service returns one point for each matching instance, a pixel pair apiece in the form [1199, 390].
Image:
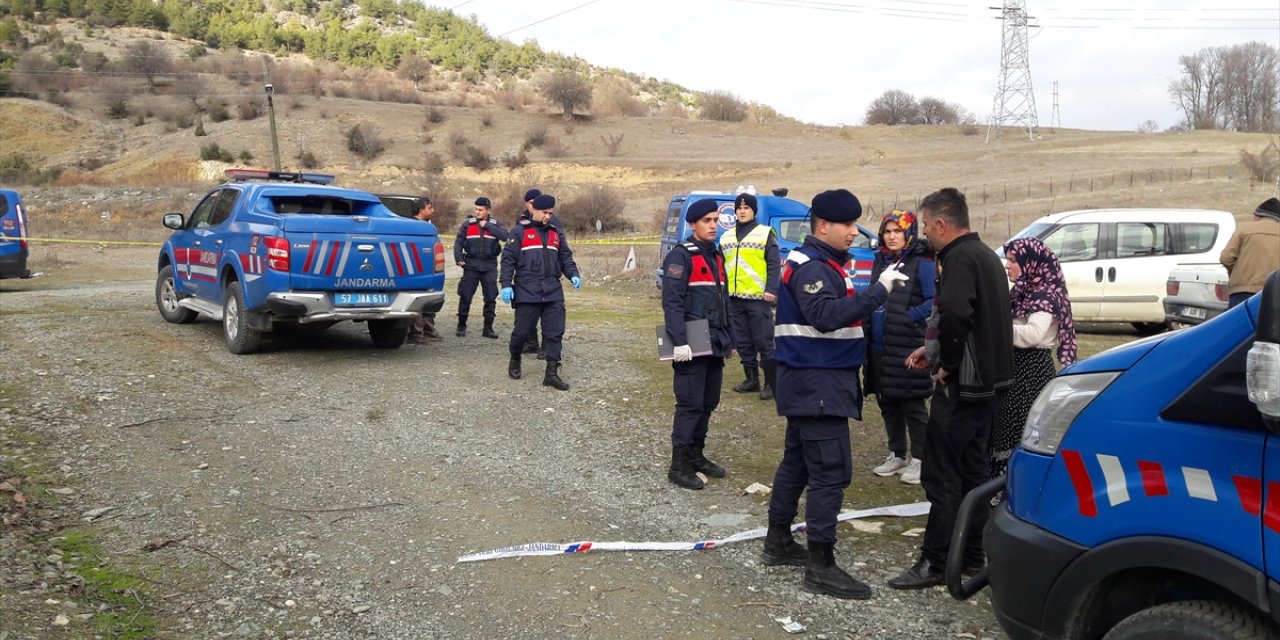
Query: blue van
[13, 236]
[789, 219]
[1144, 500]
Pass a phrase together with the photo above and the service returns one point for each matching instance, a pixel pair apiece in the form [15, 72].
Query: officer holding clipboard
[693, 288]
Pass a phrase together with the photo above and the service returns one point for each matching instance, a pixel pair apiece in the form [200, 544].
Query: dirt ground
[324, 488]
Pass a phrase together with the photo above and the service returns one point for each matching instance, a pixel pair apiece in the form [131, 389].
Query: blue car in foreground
[13, 236]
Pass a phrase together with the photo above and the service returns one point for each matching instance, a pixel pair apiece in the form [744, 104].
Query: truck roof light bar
[242, 175]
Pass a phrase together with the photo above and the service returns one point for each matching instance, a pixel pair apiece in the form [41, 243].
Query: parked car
[1117, 261]
[789, 219]
[270, 248]
[1144, 500]
[1195, 293]
[13, 236]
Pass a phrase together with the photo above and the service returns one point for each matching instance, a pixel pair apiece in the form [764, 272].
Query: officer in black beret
[533, 263]
[533, 345]
[694, 287]
[476, 250]
[819, 346]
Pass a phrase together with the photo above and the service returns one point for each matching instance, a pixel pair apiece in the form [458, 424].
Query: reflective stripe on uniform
[806, 331]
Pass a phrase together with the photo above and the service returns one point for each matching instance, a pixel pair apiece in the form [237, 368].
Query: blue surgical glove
[577, 282]
[507, 295]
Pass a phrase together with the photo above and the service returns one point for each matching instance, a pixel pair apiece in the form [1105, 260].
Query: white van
[1117, 261]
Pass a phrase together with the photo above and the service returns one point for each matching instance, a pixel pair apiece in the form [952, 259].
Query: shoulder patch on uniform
[675, 270]
[813, 288]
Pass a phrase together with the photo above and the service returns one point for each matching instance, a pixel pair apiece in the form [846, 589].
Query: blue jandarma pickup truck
[272, 247]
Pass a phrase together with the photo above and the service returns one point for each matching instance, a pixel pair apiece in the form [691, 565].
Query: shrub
[1263, 166]
[599, 202]
[307, 160]
[612, 143]
[139, 120]
[200, 128]
[486, 119]
[218, 112]
[569, 90]
[94, 61]
[365, 141]
[433, 164]
[515, 159]
[456, 142]
[16, 168]
[615, 96]
[554, 148]
[117, 107]
[245, 156]
[249, 109]
[434, 115]
[536, 136]
[212, 151]
[476, 158]
[721, 106]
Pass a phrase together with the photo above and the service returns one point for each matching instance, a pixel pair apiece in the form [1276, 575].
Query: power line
[550, 17]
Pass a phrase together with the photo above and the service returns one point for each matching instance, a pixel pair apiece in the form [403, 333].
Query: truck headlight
[1057, 407]
[1262, 376]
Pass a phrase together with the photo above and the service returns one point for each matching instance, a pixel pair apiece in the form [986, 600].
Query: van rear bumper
[14, 266]
[1020, 589]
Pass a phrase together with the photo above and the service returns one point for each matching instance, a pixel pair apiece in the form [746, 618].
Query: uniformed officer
[533, 345]
[820, 347]
[693, 288]
[532, 265]
[476, 250]
[752, 264]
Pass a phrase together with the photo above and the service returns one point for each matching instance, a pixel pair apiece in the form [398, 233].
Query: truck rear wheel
[167, 299]
[388, 334]
[241, 338]
[1194, 620]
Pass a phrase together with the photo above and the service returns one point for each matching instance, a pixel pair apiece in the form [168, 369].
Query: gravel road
[325, 488]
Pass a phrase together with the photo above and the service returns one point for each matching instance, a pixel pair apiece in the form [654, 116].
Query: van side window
[1195, 237]
[1140, 239]
[200, 217]
[796, 230]
[223, 207]
[1074, 242]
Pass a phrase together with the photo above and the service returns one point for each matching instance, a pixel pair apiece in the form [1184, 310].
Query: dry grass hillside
[644, 159]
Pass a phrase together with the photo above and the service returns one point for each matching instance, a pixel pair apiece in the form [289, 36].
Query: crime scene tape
[552, 548]
[73, 241]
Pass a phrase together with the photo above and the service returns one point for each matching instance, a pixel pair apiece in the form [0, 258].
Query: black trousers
[752, 322]
[552, 316]
[816, 454]
[957, 459]
[903, 417]
[488, 281]
[697, 385]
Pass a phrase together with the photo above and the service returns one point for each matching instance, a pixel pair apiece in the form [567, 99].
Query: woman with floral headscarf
[1041, 322]
[897, 329]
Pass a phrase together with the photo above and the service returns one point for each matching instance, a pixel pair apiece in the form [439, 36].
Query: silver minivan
[1117, 261]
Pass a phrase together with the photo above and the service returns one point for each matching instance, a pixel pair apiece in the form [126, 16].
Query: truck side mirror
[1262, 368]
[173, 220]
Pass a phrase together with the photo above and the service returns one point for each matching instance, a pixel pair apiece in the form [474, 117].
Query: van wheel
[1193, 620]
[241, 338]
[167, 299]
[1150, 328]
[388, 334]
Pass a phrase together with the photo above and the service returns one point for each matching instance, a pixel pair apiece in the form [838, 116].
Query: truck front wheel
[388, 334]
[241, 338]
[167, 299]
[1194, 620]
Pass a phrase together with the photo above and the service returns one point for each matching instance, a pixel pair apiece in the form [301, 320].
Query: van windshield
[1035, 230]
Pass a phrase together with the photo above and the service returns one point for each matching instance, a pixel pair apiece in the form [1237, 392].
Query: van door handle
[1097, 274]
[1111, 274]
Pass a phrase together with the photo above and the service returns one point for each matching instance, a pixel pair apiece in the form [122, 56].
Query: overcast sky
[825, 61]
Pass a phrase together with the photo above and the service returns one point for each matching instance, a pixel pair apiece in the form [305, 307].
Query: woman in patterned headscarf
[1041, 322]
[897, 329]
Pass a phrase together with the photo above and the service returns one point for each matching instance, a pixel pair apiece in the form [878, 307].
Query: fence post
[1050, 186]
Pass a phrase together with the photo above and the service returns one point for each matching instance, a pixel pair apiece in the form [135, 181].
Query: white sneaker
[912, 474]
[891, 465]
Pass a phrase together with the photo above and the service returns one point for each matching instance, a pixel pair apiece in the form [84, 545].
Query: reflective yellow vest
[744, 262]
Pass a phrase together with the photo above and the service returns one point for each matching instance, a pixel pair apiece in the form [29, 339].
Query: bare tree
[938, 111]
[146, 58]
[1149, 126]
[414, 68]
[569, 90]
[893, 107]
[721, 106]
[1232, 88]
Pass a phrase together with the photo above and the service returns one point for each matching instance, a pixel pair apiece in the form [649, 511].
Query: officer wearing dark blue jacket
[533, 262]
[694, 288]
[534, 345]
[819, 347]
[476, 250]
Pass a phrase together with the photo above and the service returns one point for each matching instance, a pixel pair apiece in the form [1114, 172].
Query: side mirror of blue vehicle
[173, 220]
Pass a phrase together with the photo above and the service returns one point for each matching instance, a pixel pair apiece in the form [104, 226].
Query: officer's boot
[552, 377]
[531, 346]
[752, 383]
[488, 329]
[513, 367]
[781, 548]
[462, 327]
[823, 576]
[681, 471]
[701, 463]
[769, 373]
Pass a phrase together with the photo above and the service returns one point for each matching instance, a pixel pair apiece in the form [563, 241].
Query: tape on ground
[552, 548]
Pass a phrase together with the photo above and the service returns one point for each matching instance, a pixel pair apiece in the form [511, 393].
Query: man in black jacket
[476, 250]
[975, 339]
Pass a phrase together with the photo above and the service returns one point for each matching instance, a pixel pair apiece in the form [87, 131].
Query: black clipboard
[698, 332]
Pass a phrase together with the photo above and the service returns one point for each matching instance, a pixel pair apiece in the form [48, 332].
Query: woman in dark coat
[897, 329]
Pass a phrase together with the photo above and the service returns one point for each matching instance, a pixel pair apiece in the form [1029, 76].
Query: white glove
[683, 353]
[891, 276]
